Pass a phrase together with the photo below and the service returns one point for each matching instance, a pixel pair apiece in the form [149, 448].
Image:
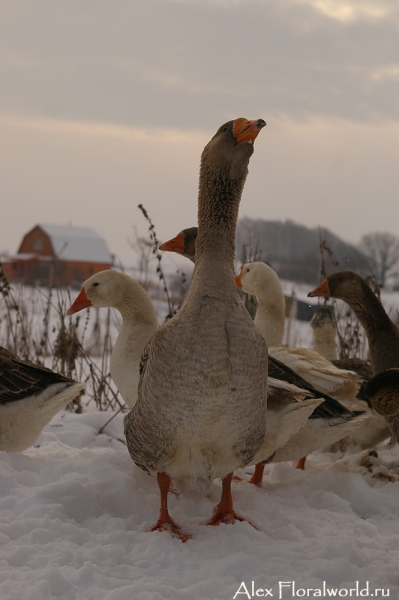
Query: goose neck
[218, 203]
[370, 312]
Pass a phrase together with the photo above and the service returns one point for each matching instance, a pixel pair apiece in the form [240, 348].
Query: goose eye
[224, 129]
[95, 284]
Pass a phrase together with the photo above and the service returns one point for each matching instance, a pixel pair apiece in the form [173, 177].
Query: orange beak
[80, 303]
[322, 290]
[177, 244]
[247, 131]
[237, 278]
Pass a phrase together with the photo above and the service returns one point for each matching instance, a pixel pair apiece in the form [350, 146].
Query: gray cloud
[186, 64]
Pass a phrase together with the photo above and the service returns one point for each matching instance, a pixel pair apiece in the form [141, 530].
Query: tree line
[297, 252]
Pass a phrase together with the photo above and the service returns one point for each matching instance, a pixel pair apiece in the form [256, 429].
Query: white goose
[139, 321]
[201, 408]
[260, 280]
[30, 396]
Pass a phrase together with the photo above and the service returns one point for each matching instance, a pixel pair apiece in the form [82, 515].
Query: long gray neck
[382, 333]
[370, 311]
[219, 199]
[217, 213]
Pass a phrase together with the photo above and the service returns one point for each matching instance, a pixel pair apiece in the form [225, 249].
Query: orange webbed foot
[172, 528]
[165, 521]
[224, 511]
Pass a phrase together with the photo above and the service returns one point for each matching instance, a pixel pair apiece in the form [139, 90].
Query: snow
[77, 243]
[74, 511]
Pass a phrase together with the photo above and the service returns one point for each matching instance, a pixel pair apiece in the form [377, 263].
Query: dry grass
[34, 326]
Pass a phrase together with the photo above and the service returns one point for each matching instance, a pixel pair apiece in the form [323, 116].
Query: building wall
[50, 272]
[38, 242]
[44, 268]
[75, 273]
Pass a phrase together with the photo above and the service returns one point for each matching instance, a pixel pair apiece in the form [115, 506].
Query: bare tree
[382, 250]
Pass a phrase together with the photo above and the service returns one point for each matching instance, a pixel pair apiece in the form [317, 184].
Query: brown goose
[375, 429]
[382, 333]
[183, 243]
[201, 408]
[30, 396]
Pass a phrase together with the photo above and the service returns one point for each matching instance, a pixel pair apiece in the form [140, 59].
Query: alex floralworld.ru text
[288, 589]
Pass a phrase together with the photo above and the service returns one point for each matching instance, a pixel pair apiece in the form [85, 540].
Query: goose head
[259, 279]
[230, 149]
[345, 285]
[104, 289]
[183, 243]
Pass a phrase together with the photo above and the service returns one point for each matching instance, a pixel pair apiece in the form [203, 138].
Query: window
[37, 244]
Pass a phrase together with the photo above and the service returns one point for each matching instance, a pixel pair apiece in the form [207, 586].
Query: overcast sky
[108, 104]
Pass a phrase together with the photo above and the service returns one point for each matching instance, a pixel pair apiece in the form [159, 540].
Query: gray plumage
[201, 410]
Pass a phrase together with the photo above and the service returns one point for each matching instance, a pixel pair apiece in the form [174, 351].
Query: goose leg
[257, 476]
[301, 463]
[224, 511]
[165, 521]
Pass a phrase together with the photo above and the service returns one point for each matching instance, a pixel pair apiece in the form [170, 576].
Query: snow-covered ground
[74, 511]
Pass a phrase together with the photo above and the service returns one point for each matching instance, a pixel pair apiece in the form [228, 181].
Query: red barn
[58, 255]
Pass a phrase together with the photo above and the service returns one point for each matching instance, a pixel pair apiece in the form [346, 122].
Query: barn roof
[77, 243]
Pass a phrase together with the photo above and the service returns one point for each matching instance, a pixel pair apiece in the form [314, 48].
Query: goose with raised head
[111, 288]
[201, 409]
[30, 396]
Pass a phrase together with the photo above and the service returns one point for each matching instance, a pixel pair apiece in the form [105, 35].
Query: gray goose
[201, 408]
[30, 396]
[375, 429]
[382, 333]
